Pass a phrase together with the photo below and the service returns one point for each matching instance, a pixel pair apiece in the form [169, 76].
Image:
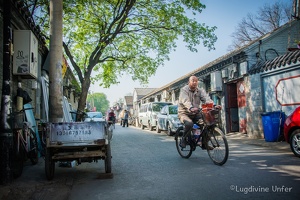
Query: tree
[105, 39]
[99, 101]
[55, 74]
[267, 19]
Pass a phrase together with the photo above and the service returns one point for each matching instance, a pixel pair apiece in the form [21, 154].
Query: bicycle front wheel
[217, 146]
[184, 152]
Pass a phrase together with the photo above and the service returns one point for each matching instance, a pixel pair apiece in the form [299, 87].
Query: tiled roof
[129, 100]
[143, 91]
[280, 61]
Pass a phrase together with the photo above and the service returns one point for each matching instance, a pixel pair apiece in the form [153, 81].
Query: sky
[225, 15]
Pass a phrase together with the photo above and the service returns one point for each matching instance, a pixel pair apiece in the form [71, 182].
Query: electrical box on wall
[232, 71]
[216, 81]
[25, 59]
[225, 73]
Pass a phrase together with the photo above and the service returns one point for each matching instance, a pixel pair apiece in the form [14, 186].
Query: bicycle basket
[210, 116]
[18, 120]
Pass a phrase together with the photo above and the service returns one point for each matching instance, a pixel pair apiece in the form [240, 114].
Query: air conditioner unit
[216, 81]
[243, 68]
[225, 73]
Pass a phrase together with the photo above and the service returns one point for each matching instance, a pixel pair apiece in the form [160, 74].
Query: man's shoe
[183, 142]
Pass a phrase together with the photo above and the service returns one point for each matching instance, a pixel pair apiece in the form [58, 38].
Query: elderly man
[189, 103]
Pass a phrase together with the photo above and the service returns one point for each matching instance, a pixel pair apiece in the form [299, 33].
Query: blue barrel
[272, 126]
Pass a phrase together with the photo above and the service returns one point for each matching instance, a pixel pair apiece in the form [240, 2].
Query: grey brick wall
[254, 108]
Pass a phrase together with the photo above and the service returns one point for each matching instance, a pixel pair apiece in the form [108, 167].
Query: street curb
[244, 138]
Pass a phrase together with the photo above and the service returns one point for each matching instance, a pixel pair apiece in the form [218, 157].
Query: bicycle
[24, 143]
[111, 122]
[131, 121]
[212, 138]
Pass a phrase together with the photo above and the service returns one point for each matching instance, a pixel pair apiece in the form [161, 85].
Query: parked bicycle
[209, 137]
[25, 143]
[131, 121]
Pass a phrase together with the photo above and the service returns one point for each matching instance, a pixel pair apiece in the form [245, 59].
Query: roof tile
[280, 61]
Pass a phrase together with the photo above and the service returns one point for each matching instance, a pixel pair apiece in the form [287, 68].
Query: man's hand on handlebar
[219, 107]
[194, 110]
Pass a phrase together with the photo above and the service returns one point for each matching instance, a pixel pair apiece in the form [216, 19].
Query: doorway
[231, 109]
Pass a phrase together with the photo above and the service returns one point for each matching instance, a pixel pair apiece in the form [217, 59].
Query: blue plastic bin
[271, 122]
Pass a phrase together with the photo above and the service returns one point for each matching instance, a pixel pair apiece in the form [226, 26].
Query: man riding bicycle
[188, 106]
[111, 116]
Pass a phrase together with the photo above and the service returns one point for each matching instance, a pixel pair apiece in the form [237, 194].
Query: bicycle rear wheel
[217, 146]
[183, 152]
[33, 154]
[18, 158]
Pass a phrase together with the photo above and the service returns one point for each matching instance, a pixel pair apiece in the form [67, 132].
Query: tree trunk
[6, 137]
[55, 71]
[85, 85]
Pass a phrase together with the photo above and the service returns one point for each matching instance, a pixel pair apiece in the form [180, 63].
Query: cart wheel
[108, 159]
[17, 163]
[34, 153]
[49, 164]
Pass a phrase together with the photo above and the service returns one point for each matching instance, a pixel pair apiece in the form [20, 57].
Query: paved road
[146, 165]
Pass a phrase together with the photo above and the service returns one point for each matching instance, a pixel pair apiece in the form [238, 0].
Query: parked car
[292, 131]
[168, 120]
[94, 116]
[148, 114]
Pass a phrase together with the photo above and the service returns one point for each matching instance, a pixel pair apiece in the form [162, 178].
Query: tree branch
[75, 66]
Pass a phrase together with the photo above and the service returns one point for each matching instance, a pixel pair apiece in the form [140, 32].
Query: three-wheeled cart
[80, 141]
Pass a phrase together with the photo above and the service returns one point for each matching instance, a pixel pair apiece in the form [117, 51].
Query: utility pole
[6, 136]
[55, 71]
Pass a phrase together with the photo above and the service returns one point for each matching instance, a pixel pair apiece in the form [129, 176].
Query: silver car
[94, 116]
[167, 120]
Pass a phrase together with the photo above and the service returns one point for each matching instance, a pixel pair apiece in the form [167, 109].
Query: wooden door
[232, 108]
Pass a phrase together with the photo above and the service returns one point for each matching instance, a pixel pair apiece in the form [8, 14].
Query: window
[158, 106]
[173, 110]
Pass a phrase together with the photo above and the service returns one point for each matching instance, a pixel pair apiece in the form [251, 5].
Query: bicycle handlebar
[23, 110]
[198, 110]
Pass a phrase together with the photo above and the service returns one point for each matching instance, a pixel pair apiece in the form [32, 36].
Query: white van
[148, 114]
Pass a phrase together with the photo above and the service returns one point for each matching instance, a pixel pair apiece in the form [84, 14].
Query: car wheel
[141, 125]
[295, 142]
[150, 126]
[157, 129]
[169, 131]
